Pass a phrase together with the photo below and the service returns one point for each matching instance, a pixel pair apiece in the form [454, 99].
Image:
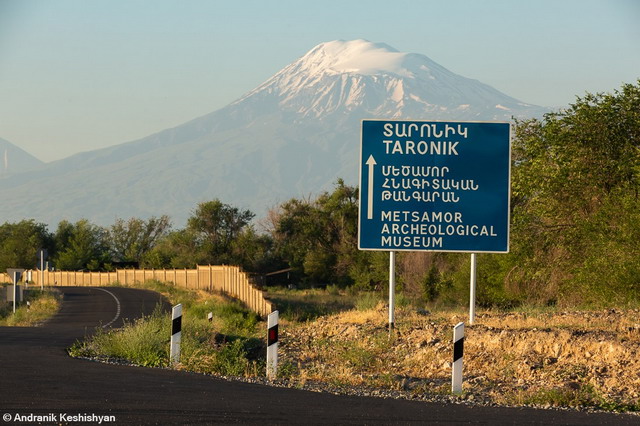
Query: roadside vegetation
[542, 357]
[42, 305]
[229, 345]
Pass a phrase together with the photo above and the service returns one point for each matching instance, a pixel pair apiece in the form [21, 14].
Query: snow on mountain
[292, 136]
[376, 79]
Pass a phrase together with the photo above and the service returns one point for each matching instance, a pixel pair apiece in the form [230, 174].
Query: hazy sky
[77, 75]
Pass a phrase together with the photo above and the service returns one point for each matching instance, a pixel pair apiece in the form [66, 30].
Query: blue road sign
[434, 186]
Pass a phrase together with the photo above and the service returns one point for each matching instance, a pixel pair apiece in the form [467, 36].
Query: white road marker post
[458, 352]
[176, 333]
[472, 290]
[272, 345]
[392, 290]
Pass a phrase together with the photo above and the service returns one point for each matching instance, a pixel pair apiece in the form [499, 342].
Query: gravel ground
[579, 360]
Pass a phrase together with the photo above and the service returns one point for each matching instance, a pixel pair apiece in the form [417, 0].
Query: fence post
[272, 345]
[236, 283]
[176, 333]
[236, 272]
[243, 286]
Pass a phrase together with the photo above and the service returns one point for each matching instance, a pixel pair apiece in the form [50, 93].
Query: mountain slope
[292, 136]
[15, 160]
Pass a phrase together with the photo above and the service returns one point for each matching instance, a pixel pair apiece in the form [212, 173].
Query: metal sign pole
[42, 269]
[15, 286]
[392, 290]
[472, 291]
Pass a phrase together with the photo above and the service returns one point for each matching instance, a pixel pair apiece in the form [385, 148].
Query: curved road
[37, 377]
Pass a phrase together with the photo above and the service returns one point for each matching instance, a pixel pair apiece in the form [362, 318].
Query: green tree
[319, 237]
[20, 242]
[79, 246]
[254, 252]
[216, 226]
[130, 241]
[178, 249]
[575, 202]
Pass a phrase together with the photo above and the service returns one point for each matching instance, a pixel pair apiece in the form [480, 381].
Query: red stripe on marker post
[272, 338]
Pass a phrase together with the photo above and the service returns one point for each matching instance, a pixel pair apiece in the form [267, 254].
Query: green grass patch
[578, 396]
[367, 301]
[143, 342]
[230, 345]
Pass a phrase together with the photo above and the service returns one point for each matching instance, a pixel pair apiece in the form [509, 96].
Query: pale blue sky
[77, 75]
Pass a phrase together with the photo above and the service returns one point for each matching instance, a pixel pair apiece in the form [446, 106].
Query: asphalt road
[38, 378]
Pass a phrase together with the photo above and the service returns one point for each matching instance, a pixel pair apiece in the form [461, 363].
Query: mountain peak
[355, 56]
[341, 77]
[15, 160]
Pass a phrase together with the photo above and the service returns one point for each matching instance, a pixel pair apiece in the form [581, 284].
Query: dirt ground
[581, 359]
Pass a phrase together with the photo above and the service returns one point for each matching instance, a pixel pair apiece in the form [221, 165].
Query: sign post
[16, 278]
[43, 256]
[392, 290]
[16, 274]
[472, 290]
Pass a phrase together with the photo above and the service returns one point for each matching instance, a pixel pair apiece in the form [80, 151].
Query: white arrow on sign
[370, 162]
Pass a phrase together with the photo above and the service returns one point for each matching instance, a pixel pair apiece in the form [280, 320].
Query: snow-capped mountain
[293, 136]
[376, 80]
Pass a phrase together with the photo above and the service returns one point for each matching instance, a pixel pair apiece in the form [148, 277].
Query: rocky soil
[584, 360]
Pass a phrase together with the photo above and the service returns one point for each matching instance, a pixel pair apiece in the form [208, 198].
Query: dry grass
[43, 305]
[562, 359]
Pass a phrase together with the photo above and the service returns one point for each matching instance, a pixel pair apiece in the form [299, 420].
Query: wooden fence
[226, 279]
